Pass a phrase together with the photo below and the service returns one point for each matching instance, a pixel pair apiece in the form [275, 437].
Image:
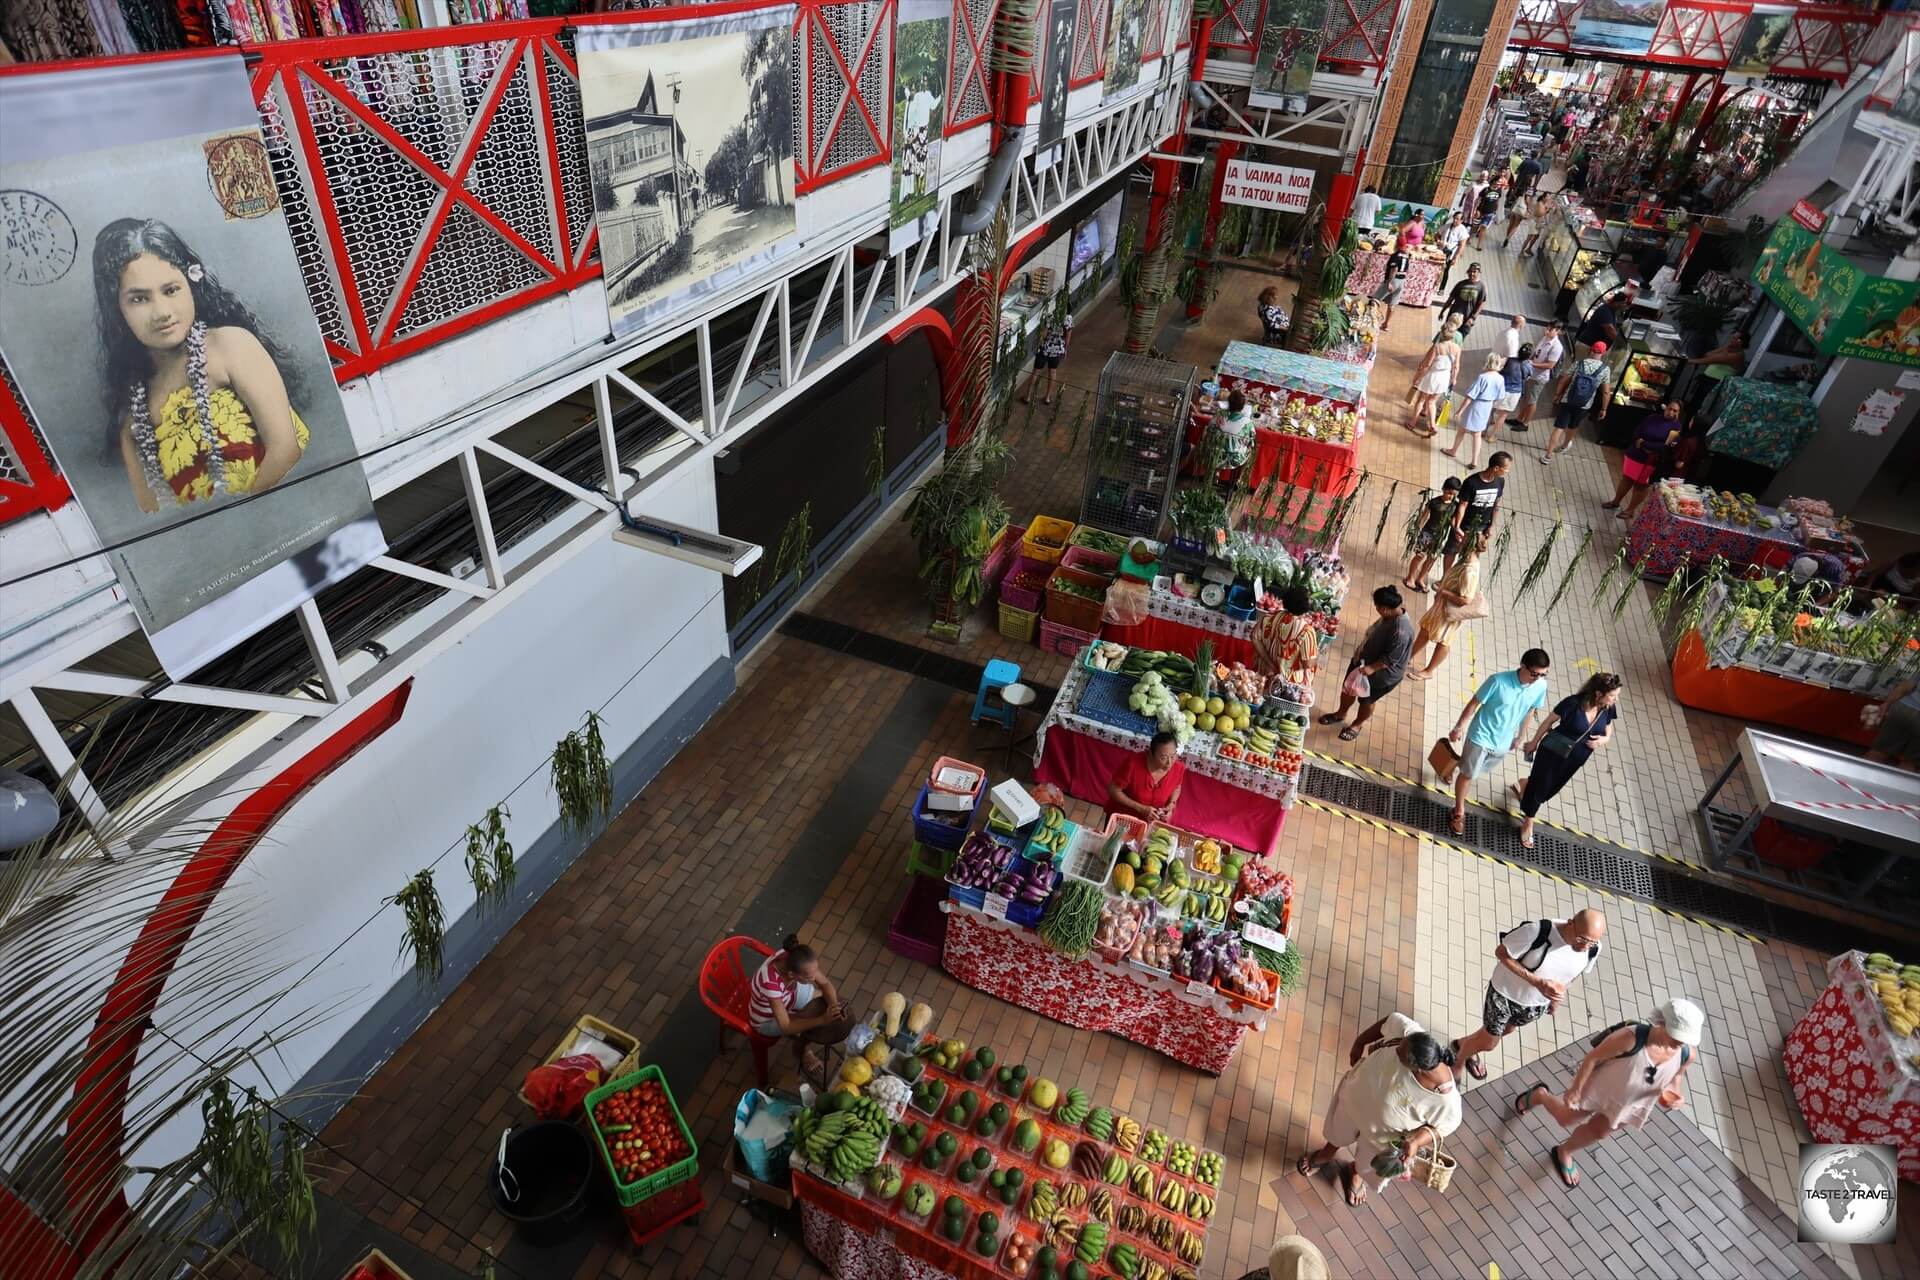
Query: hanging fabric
[48, 30]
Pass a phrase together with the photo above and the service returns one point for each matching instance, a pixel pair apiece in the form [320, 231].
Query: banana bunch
[1173, 1196]
[1062, 1232]
[1100, 1124]
[1073, 1195]
[1132, 1220]
[1205, 906]
[1042, 1201]
[1141, 1181]
[1125, 1261]
[1200, 1206]
[1192, 1249]
[1074, 1109]
[827, 1131]
[1262, 740]
[1183, 1273]
[1160, 1231]
[804, 1123]
[1093, 1243]
[1102, 1209]
[1151, 1270]
[854, 1154]
[1116, 1170]
[1126, 1134]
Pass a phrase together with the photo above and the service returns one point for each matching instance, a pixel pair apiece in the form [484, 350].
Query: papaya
[856, 1071]
[1123, 878]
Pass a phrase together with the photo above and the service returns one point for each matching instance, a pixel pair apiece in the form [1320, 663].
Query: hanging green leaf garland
[1670, 595]
[1634, 579]
[1566, 579]
[581, 776]
[425, 936]
[1386, 511]
[1615, 567]
[1695, 607]
[1542, 560]
[1500, 550]
[1412, 527]
[490, 857]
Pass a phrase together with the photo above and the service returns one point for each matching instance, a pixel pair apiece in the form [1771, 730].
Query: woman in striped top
[791, 996]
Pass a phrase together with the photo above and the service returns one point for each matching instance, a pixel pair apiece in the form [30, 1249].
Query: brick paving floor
[1384, 922]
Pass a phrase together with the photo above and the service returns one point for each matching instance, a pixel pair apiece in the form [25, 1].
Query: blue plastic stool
[998, 675]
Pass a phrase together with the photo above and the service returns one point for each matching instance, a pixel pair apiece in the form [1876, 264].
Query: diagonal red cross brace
[1375, 54]
[977, 68]
[852, 81]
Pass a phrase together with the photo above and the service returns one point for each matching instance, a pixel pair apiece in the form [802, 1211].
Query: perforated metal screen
[1090, 39]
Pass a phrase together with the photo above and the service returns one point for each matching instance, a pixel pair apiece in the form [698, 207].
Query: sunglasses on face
[1532, 673]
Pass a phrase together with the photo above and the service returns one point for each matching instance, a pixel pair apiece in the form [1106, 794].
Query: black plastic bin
[552, 1165]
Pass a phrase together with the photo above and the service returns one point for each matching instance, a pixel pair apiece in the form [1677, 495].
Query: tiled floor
[1384, 921]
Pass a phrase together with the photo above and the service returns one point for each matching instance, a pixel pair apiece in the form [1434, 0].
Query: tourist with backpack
[1534, 963]
[1587, 384]
[1632, 1068]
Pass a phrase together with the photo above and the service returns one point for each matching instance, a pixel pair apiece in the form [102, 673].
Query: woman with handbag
[1579, 726]
[1457, 599]
[1392, 1108]
[1434, 379]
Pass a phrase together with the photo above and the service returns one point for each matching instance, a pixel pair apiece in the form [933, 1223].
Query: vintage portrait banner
[690, 140]
[1291, 33]
[919, 119]
[1055, 78]
[157, 324]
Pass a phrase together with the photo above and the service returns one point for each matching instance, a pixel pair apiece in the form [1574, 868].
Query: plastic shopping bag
[1446, 413]
[1357, 684]
[763, 1130]
[556, 1090]
[1126, 604]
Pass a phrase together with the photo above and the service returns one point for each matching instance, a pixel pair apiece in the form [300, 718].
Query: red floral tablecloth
[1841, 1079]
[1370, 268]
[1319, 465]
[1670, 541]
[1012, 964]
[853, 1242]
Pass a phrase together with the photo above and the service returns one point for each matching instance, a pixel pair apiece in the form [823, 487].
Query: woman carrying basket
[1399, 1099]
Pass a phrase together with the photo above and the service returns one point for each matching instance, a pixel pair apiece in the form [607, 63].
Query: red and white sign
[1812, 217]
[1267, 186]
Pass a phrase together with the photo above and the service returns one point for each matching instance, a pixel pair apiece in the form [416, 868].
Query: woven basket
[1433, 1166]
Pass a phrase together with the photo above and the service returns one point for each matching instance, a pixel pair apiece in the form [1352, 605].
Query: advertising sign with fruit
[1842, 309]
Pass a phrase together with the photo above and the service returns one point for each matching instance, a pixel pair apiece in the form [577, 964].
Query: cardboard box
[780, 1197]
[1012, 799]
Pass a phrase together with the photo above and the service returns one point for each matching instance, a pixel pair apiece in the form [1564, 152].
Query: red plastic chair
[726, 983]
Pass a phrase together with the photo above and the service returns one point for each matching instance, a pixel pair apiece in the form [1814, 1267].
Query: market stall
[1748, 693]
[1574, 244]
[1645, 369]
[1854, 1061]
[949, 1164]
[1687, 524]
[1423, 274]
[1760, 427]
[1311, 412]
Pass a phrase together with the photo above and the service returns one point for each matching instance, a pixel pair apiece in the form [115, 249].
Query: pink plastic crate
[1025, 598]
[1087, 560]
[1055, 638]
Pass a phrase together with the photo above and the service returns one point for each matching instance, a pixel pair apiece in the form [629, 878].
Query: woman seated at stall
[792, 997]
[1274, 321]
[1147, 786]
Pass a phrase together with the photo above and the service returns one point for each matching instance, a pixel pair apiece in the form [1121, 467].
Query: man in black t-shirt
[1604, 324]
[1466, 300]
[1480, 495]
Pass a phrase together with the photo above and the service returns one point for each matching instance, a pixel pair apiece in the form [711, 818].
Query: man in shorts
[1500, 713]
[1533, 966]
[1540, 366]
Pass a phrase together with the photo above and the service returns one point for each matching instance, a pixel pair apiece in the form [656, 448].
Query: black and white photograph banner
[1056, 79]
[690, 141]
[155, 320]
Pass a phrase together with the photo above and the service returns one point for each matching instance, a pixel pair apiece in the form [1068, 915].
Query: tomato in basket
[642, 1135]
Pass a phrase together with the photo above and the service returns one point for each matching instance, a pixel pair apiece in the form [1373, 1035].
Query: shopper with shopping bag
[1377, 666]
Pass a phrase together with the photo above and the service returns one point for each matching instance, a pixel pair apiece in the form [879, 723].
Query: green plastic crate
[926, 861]
[630, 1194]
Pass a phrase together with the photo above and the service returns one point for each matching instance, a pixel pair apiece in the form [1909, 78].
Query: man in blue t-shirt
[1493, 722]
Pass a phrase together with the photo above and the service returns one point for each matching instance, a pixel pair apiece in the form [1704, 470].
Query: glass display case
[1646, 369]
[1572, 248]
[1598, 283]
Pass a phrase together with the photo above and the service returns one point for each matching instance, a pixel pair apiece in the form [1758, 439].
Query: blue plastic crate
[930, 830]
[1026, 913]
[1103, 698]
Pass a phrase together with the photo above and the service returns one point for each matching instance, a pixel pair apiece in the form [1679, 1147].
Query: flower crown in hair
[196, 272]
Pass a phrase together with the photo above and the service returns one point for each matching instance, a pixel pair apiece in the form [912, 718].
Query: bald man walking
[1534, 965]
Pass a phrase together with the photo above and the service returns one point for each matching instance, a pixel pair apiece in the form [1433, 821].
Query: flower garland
[145, 438]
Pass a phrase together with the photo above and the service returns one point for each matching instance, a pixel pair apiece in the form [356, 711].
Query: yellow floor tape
[1394, 828]
[1439, 790]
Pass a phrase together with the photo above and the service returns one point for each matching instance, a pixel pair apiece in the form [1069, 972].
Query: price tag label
[1203, 990]
[996, 906]
[1261, 936]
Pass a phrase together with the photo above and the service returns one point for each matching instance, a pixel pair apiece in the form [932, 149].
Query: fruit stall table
[1423, 277]
[1667, 540]
[1854, 1077]
[1192, 1023]
[1326, 466]
[1763, 696]
[1179, 624]
[1242, 804]
[858, 1234]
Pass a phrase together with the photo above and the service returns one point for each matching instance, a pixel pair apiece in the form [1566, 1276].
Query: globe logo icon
[1847, 1194]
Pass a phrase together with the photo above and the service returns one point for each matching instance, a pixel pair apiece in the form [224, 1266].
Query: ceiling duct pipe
[1015, 30]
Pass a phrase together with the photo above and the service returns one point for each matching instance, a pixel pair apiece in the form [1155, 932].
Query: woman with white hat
[1633, 1067]
[1293, 1258]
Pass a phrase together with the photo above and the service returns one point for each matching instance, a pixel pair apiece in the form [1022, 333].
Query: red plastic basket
[1055, 638]
[1075, 611]
[1087, 560]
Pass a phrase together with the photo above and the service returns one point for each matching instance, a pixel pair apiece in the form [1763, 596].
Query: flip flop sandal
[1350, 1183]
[1305, 1166]
[1476, 1065]
[1526, 842]
[1349, 733]
[1457, 823]
[1569, 1171]
[1524, 1102]
[1332, 717]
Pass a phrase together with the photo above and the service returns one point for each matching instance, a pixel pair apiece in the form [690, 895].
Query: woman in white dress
[1433, 381]
[1632, 1069]
[1486, 391]
[1400, 1096]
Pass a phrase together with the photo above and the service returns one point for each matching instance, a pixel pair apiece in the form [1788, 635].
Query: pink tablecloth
[1082, 766]
[1015, 966]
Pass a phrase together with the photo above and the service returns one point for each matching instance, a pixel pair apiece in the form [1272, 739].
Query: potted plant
[953, 518]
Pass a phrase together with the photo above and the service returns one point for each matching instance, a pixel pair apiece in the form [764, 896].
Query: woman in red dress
[1148, 784]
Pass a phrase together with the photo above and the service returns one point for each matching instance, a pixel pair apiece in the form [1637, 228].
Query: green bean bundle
[1072, 916]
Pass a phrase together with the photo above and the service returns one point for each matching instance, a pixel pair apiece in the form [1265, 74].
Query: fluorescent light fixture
[712, 551]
